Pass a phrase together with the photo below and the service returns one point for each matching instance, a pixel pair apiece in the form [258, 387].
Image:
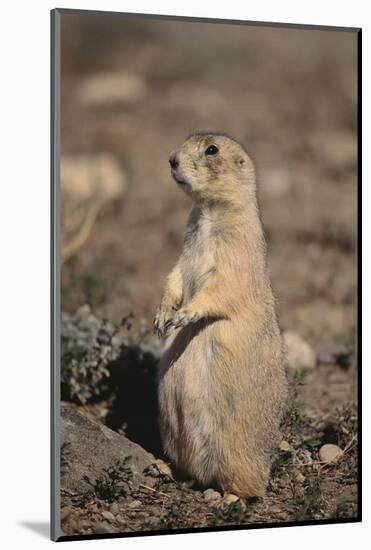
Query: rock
[65, 512]
[111, 88]
[274, 509]
[135, 504]
[152, 471]
[84, 524]
[87, 183]
[284, 446]
[300, 355]
[142, 514]
[108, 516]
[120, 519]
[84, 312]
[299, 477]
[211, 496]
[163, 468]
[84, 177]
[230, 499]
[277, 512]
[330, 453]
[114, 508]
[93, 447]
[102, 527]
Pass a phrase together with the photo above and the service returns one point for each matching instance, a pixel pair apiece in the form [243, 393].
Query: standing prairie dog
[222, 382]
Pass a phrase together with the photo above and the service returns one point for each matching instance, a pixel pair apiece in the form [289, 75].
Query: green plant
[312, 443]
[310, 502]
[173, 515]
[113, 484]
[294, 419]
[345, 508]
[88, 345]
[283, 459]
[233, 514]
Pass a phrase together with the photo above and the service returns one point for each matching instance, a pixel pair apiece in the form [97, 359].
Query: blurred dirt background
[133, 89]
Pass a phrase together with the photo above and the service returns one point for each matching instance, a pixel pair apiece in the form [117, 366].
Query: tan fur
[221, 380]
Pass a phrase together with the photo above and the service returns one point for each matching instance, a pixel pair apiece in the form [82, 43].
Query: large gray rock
[91, 447]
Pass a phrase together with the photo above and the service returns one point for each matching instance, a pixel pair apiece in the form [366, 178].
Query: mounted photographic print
[205, 366]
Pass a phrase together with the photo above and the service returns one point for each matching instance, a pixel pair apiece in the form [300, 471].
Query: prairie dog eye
[211, 150]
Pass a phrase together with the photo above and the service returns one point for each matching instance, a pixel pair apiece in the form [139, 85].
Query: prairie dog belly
[188, 401]
[219, 403]
[197, 261]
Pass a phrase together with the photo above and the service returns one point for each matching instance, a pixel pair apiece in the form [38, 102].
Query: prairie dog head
[212, 168]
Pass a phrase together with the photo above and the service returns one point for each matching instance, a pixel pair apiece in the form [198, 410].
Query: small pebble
[277, 512]
[211, 496]
[84, 311]
[330, 453]
[135, 504]
[285, 446]
[300, 355]
[230, 499]
[152, 471]
[120, 519]
[114, 508]
[108, 516]
[299, 477]
[163, 468]
[84, 524]
[102, 527]
[65, 513]
[143, 514]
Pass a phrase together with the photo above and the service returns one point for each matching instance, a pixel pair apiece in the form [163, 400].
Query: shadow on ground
[134, 408]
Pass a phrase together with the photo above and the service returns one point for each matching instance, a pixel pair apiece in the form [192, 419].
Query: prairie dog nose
[173, 160]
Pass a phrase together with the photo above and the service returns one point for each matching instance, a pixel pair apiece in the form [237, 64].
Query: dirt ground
[290, 97]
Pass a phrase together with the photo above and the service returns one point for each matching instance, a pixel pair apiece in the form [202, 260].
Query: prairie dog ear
[240, 161]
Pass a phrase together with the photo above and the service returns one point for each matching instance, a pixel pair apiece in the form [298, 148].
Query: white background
[24, 271]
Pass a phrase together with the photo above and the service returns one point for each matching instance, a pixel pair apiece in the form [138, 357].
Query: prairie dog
[221, 380]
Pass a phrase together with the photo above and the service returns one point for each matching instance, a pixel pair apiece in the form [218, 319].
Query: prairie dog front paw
[163, 319]
[180, 319]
